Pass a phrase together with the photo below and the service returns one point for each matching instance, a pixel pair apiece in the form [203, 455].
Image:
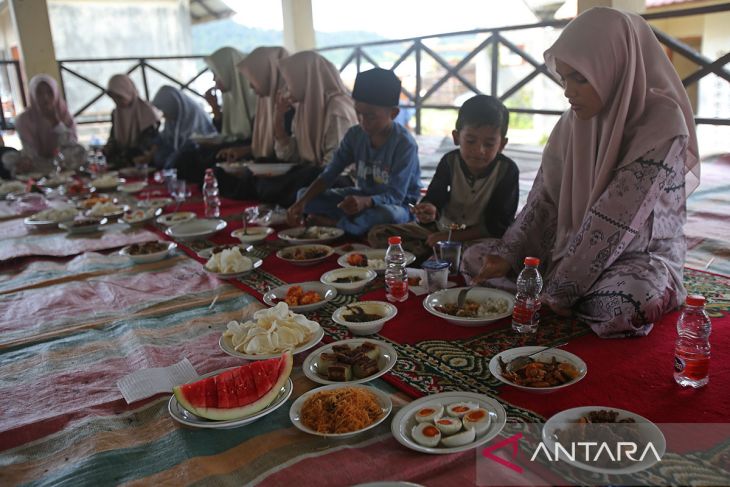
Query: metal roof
[206, 10]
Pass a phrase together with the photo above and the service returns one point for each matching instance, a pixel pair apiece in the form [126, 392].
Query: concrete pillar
[298, 25]
[33, 28]
[638, 6]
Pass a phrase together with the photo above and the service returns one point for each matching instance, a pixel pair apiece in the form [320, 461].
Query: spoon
[519, 362]
[461, 298]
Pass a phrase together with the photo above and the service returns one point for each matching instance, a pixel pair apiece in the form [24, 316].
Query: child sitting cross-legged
[475, 187]
[385, 155]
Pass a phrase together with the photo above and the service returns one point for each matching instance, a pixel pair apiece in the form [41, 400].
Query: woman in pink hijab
[45, 127]
[134, 125]
[606, 210]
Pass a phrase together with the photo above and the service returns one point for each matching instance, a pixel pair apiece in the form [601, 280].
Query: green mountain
[212, 35]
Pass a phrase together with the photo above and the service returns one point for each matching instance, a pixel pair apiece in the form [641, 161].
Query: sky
[392, 19]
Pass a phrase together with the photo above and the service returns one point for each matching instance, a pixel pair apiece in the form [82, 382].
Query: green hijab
[239, 100]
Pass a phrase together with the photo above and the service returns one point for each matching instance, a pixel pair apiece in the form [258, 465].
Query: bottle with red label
[692, 351]
[396, 277]
[526, 313]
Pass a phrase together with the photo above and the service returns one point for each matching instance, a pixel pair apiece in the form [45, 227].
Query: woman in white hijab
[606, 210]
[134, 124]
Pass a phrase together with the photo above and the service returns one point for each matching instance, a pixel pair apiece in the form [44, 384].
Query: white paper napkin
[149, 382]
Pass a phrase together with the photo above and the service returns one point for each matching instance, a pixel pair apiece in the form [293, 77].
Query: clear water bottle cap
[393, 240]
[532, 261]
[695, 300]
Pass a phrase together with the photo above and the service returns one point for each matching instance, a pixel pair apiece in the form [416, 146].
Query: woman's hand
[212, 98]
[283, 103]
[295, 214]
[434, 238]
[558, 310]
[493, 266]
[425, 212]
[235, 153]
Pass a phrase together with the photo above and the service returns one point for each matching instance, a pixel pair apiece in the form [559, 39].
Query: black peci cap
[377, 86]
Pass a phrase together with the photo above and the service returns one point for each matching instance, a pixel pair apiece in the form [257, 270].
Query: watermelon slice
[236, 393]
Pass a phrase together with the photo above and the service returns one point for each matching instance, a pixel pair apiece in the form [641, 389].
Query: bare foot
[320, 220]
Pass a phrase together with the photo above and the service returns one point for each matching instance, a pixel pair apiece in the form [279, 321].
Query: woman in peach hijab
[309, 86]
[45, 128]
[606, 210]
[134, 124]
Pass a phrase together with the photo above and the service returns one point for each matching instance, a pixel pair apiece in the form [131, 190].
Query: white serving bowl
[253, 234]
[546, 356]
[170, 219]
[287, 254]
[197, 228]
[386, 310]
[150, 257]
[366, 276]
[328, 293]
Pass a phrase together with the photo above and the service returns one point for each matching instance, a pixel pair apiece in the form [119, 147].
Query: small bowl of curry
[364, 317]
[348, 280]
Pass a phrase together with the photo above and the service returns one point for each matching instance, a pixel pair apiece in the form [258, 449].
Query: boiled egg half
[448, 426]
[426, 434]
[429, 413]
[459, 409]
[459, 439]
[477, 419]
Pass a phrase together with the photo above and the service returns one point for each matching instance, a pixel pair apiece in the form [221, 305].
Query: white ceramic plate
[235, 168]
[75, 230]
[295, 412]
[34, 224]
[154, 202]
[269, 169]
[477, 294]
[287, 254]
[386, 360]
[132, 188]
[404, 421]
[170, 219]
[351, 247]
[366, 276]
[182, 415]
[253, 234]
[208, 139]
[386, 310]
[372, 254]
[311, 235]
[255, 264]
[140, 216]
[103, 184]
[546, 356]
[198, 228]
[227, 346]
[152, 257]
[648, 431]
[206, 253]
[116, 212]
[328, 293]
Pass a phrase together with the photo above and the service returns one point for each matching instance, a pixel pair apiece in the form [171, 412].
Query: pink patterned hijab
[315, 84]
[35, 129]
[133, 119]
[644, 105]
[260, 67]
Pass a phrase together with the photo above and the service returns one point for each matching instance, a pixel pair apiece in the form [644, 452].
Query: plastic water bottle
[396, 277]
[210, 195]
[692, 351]
[526, 313]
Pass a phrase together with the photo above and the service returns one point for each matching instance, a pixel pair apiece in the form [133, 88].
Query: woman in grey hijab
[183, 118]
